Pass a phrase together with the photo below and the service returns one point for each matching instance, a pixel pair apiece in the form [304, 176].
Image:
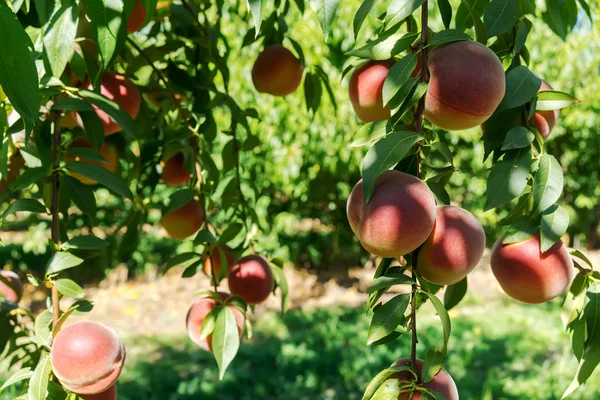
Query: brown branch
[55, 234]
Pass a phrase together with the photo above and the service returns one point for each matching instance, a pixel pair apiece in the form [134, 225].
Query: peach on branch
[276, 71]
[184, 221]
[137, 17]
[442, 381]
[398, 218]
[215, 261]
[544, 121]
[174, 171]
[365, 90]
[13, 292]
[107, 150]
[87, 357]
[251, 278]
[110, 394]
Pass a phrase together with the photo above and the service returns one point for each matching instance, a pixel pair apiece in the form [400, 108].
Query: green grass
[500, 351]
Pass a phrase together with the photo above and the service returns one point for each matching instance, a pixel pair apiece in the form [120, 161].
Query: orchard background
[272, 176]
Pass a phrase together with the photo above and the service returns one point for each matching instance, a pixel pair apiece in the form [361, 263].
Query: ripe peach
[120, 90]
[398, 218]
[442, 382]
[252, 279]
[87, 357]
[107, 150]
[137, 17]
[544, 121]
[365, 90]
[110, 394]
[528, 275]
[215, 260]
[466, 85]
[454, 247]
[197, 314]
[12, 294]
[184, 221]
[174, 171]
[276, 71]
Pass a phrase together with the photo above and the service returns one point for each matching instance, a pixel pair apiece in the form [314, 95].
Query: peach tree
[130, 96]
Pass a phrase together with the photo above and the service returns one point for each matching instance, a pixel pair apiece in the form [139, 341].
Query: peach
[107, 150]
[184, 221]
[14, 292]
[365, 90]
[174, 171]
[442, 381]
[398, 218]
[528, 275]
[216, 261]
[466, 85]
[68, 119]
[276, 71]
[137, 17]
[110, 394]
[453, 248]
[120, 90]
[197, 314]
[87, 357]
[251, 278]
[544, 121]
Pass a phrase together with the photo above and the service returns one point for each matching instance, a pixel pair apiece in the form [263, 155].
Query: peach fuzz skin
[277, 71]
[87, 357]
[398, 218]
[528, 275]
[110, 394]
[184, 221]
[442, 382]
[197, 314]
[174, 171]
[466, 85]
[11, 294]
[365, 90]
[454, 247]
[251, 278]
[544, 121]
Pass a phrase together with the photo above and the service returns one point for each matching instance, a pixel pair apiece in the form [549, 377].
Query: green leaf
[381, 378]
[282, 284]
[522, 229]
[92, 125]
[62, 260]
[82, 195]
[18, 376]
[561, 16]
[72, 104]
[68, 288]
[521, 86]
[500, 16]
[580, 255]
[312, 91]
[555, 221]
[591, 312]
[28, 205]
[87, 154]
[397, 77]
[28, 178]
[85, 242]
[508, 178]
[179, 199]
[547, 184]
[387, 317]
[383, 155]
[106, 18]
[448, 36]
[42, 326]
[361, 15]
[431, 365]
[455, 293]
[589, 362]
[256, 7]
[60, 35]
[18, 74]
[518, 138]
[398, 10]
[204, 236]
[225, 340]
[480, 30]
[382, 269]
[370, 133]
[413, 97]
[103, 176]
[325, 10]
[446, 11]
[444, 318]
[390, 279]
[181, 258]
[440, 192]
[523, 29]
[209, 323]
[388, 44]
[464, 19]
[113, 110]
[38, 384]
[554, 100]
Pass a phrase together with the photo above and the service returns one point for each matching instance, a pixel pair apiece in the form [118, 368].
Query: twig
[54, 205]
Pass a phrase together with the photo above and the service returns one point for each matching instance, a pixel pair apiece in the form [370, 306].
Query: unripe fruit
[120, 90]
[137, 17]
[251, 278]
[197, 314]
[398, 218]
[87, 357]
[12, 294]
[442, 381]
[528, 275]
[107, 150]
[110, 394]
[365, 90]
[68, 120]
[215, 261]
[453, 248]
[174, 171]
[276, 71]
[184, 221]
[466, 85]
[544, 121]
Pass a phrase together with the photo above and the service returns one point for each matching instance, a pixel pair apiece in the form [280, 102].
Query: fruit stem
[56, 142]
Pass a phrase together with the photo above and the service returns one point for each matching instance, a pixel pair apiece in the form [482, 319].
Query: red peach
[184, 221]
[365, 90]
[174, 171]
[14, 293]
[442, 381]
[252, 279]
[276, 71]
